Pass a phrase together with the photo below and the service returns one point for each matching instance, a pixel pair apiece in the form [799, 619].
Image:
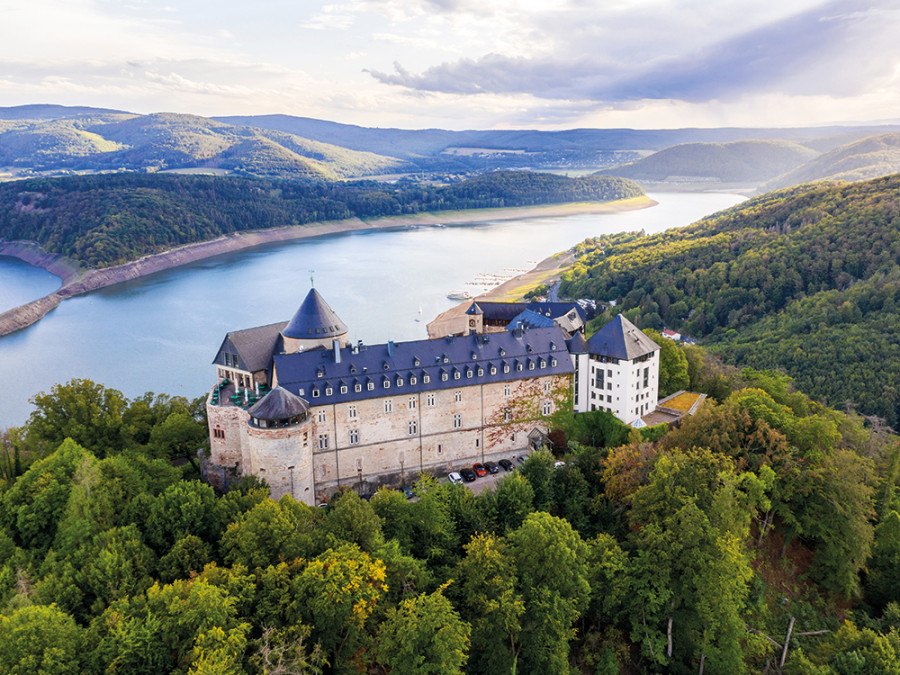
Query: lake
[160, 333]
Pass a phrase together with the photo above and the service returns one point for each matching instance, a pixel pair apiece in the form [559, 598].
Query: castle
[299, 406]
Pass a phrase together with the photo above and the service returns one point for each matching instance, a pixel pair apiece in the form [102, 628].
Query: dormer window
[529, 348]
[480, 372]
[353, 370]
[456, 374]
[493, 370]
[543, 363]
[413, 380]
[444, 377]
[386, 365]
[370, 386]
[426, 379]
[468, 372]
[387, 383]
[518, 367]
[329, 391]
[399, 381]
[474, 356]
[315, 393]
[502, 351]
[553, 362]
[343, 388]
[357, 388]
[445, 358]
[530, 365]
[416, 361]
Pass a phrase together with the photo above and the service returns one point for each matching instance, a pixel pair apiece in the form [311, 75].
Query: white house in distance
[617, 370]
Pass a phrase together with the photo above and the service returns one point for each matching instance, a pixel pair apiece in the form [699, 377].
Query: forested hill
[805, 279]
[109, 219]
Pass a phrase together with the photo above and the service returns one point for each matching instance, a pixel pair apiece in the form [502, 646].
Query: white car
[455, 477]
[559, 464]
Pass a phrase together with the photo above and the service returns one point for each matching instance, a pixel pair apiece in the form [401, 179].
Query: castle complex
[299, 406]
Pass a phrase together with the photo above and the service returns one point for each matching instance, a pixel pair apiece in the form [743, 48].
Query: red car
[479, 469]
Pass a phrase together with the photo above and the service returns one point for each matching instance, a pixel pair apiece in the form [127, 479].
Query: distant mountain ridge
[53, 139]
[750, 161]
[863, 159]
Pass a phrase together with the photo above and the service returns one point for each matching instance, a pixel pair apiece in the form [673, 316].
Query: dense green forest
[694, 549]
[110, 219]
[805, 280]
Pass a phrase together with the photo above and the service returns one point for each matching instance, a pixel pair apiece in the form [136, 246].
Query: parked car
[408, 491]
[479, 469]
[467, 474]
[521, 459]
[507, 465]
[492, 467]
[558, 464]
[455, 477]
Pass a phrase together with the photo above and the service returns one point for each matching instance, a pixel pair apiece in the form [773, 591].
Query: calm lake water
[160, 333]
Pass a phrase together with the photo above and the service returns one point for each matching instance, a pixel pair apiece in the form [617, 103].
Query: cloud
[820, 51]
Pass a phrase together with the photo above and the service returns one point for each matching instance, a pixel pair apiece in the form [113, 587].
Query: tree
[40, 639]
[271, 531]
[673, 365]
[491, 604]
[178, 436]
[514, 499]
[551, 569]
[88, 413]
[336, 593]
[883, 578]
[423, 636]
[538, 470]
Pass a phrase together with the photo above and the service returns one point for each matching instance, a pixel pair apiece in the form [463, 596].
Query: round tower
[279, 434]
[314, 325]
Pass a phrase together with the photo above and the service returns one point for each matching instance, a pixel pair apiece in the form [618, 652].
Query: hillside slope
[860, 160]
[806, 280]
[748, 161]
[110, 219]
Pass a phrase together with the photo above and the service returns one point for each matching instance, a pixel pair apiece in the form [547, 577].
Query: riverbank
[78, 280]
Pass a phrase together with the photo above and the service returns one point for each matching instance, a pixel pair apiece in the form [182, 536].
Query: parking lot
[491, 479]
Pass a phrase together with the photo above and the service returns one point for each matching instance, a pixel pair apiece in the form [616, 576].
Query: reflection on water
[160, 333]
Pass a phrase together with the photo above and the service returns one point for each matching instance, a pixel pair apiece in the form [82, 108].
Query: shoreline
[78, 280]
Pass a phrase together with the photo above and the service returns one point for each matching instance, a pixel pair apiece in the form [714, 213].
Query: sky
[463, 64]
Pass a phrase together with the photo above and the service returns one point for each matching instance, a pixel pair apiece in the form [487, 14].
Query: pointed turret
[314, 324]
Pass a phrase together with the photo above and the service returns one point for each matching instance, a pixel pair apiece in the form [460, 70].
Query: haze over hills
[750, 161]
[48, 139]
[860, 160]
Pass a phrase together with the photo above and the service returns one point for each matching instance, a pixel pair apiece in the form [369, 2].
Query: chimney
[337, 350]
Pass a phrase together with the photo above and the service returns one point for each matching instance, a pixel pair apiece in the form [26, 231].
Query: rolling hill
[860, 160]
[748, 161]
[806, 280]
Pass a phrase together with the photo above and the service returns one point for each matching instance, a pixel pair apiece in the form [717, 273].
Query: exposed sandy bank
[77, 280]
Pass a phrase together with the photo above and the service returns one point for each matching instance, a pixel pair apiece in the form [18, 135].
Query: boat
[460, 295]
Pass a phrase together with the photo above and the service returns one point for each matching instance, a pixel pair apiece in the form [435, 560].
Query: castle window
[457, 421]
[387, 383]
[315, 393]
[388, 406]
[507, 416]
[329, 391]
[506, 390]
[370, 386]
[413, 427]
[513, 439]
[354, 437]
[351, 411]
[440, 448]
[547, 408]
[429, 400]
[547, 387]
[412, 402]
[413, 380]
[426, 379]
[477, 442]
[459, 397]
[219, 433]
[323, 441]
[357, 387]
[322, 416]
[343, 388]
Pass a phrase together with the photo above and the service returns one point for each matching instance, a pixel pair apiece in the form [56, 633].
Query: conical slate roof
[621, 339]
[279, 404]
[315, 319]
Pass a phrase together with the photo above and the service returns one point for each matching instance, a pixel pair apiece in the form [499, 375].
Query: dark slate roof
[317, 377]
[252, 346]
[557, 309]
[530, 319]
[497, 311]
[279, 404]
[505, 311]
[621, 339]
[315, 319]
[577, 344]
